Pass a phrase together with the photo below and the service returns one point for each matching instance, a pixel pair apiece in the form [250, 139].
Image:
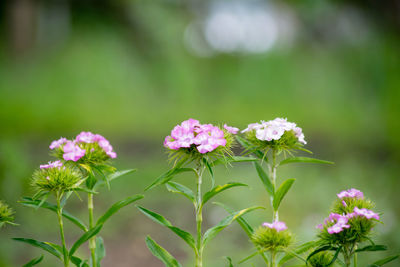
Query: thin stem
[92, 241]
[272, 174]
[199, 217]
[273, 258]
[60, 222]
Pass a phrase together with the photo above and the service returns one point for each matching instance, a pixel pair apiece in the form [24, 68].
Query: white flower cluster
[274, 129]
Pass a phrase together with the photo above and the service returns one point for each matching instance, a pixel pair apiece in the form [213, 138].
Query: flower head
[191, 136]
[369, 214]
[232, 130]
[58, 143]
[6, 214]
[272, 236]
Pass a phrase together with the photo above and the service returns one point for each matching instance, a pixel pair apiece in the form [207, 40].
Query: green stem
[272, 174]
[273, 258]
[199, 217]
[92, 241]
[60, 222]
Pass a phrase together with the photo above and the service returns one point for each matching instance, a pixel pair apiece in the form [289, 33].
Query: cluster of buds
[191, 136]
[6, 214]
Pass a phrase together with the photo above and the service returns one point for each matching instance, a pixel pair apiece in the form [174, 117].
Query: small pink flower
[351, 193]
[58, 143]
[85, 137]
[230, 129]
[278, 226]
[72, 151]
[54, 164]
[369, 214]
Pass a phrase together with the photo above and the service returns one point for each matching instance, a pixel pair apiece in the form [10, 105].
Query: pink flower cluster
[72, 150]
[278, 226]
[54, 164]
[206, 137]
[351, 193]
[274, 129]
[341, 221]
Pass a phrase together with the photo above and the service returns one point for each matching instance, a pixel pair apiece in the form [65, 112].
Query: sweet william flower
[351, 193]
[58, 143]
[72, 151]
[369, 214]
[232, 130]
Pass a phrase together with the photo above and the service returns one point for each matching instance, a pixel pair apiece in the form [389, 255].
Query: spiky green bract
[269, 239]
[62, 179]
[192, 154]
[94, 155]
[321, 259]
[286, 143]
[6, 214]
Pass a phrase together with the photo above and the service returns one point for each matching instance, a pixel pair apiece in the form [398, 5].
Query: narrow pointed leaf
[29, 202]
[249, 257]
[100, 250]
[304, 159]
[230, 261]
[210, 170]
[161, 253]
[39, 244]
[34, 262]
[85, 237]
[241, 221]
[79, 262]
[218, 189]
[301, 249]
[181, 189]
[384, 261]
[264, 179]
[115, 175]
[187, 237]
[281, 192]
[372, 248]
[167, 176]
[117, 206]
[212, 232]
[335, 256]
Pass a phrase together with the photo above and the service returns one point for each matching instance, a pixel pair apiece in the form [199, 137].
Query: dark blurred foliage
[131, 70]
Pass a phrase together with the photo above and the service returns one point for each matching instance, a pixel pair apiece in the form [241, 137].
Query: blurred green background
[131, 70]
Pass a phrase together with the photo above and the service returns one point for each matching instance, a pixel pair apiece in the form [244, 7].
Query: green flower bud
[270, 239]
[321, 259]
[6, 214]
[56, 179]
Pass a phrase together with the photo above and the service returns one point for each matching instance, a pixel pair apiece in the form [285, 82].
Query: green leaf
[34, 262]
[264, 179]
[304, 159]
[116, 207]
[335, 256]
[187, 237]
[384, 261]
[227, 160]
[250, 148]
[372, 248]
[218, 189]
[82, 189]
[90, 180]
[161, 253]
[212, 232]
[281, 192]
[43, 245]
[210, 170]
[85, 237]
[323, 248]
[100, 250]
[241, 221]
[250, 256]
[167, 176]
[29, 202]
[79, 262]
[181, 189]
[301, 249]
[114, 176]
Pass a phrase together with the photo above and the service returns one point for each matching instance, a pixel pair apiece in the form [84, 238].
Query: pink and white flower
[72, 151]
[278, 226]
[58, 143]
[351, 193]
[52, 164]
